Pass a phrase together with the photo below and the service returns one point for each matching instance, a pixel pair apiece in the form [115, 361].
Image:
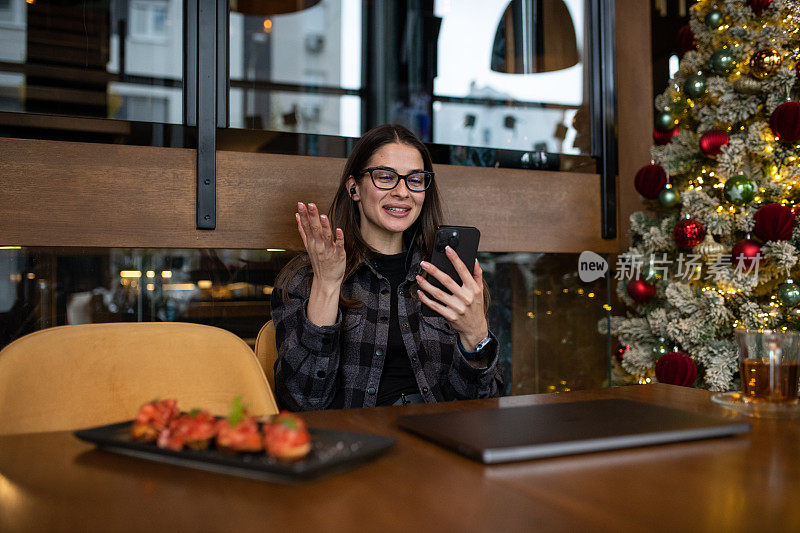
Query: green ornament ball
[666, 121]
[714, 19]
[788, 294]
[721, 62]
[695, 86]
[739, 190]
[668, 197]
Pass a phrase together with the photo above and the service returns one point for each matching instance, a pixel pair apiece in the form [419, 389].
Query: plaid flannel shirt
[318, 363]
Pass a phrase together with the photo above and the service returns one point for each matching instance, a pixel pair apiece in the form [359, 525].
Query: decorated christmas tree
[718, 247]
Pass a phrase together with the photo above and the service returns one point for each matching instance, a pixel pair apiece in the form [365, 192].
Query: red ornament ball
[649, 181]
[684, 40]
[664, 137]
[758, 5]
[676, 368]
[712, 141]
[641, 291]
[797, 69]
[774, 222]
[688, 233]
[619, 352]
[785, 122]
[746, 252]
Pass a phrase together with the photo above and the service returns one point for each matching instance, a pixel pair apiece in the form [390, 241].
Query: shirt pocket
[438, 324]
[352, 319]
[353, 328]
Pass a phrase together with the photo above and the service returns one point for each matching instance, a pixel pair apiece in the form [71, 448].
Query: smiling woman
[356, 325]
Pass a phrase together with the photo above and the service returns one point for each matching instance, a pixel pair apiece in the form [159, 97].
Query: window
[149, 20]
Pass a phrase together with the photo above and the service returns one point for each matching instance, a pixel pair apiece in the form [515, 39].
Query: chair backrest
[267, 351]
[71, 377]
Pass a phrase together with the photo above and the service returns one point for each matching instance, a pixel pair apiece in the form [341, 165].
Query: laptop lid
[535, 431]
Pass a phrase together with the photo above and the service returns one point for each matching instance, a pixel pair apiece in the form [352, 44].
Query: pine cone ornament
[709, 247]
[747, 85]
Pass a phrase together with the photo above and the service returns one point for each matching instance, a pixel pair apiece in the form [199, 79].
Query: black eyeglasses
[386, 178]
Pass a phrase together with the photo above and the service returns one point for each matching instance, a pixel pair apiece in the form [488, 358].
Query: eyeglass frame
[426, 173]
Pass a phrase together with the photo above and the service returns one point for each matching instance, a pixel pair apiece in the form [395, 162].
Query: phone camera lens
[453, 240]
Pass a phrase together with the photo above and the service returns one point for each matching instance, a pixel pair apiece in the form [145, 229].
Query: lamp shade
[267, 8]
[528, 40]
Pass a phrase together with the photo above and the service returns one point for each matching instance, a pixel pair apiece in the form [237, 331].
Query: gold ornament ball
[764, 63]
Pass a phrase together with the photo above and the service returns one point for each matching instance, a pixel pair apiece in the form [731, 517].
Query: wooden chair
[267, 351]
[71, 377]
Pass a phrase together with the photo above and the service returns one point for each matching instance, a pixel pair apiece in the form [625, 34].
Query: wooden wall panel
[634, 104]
[89, 195]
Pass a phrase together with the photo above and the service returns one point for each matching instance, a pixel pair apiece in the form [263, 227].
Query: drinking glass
[768, 363]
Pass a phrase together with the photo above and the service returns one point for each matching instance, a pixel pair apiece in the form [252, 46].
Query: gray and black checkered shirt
[341, 365]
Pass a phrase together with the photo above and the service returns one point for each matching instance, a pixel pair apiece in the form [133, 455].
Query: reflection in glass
[478, 73]
[298, 71]
[543, 315]
[534, 36]
[512, 75]
[107, 59]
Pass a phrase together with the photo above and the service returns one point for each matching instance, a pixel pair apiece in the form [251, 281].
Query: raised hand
[464, 307]
[327, 257]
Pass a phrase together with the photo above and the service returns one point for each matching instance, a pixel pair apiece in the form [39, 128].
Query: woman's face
[386, 214]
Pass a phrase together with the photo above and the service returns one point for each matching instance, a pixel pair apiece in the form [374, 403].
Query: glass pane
[105, 59]
[296, 71]
[512, 75]
[545, 317]
[496, 74]
[546, 320]
[514, 127]
[45, 287]
[299, 112]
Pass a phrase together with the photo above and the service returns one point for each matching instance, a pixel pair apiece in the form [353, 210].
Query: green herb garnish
[238, 411]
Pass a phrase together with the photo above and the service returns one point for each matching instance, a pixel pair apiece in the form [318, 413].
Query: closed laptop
[518, 433]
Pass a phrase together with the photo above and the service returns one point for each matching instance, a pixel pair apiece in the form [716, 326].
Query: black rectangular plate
[330, 451]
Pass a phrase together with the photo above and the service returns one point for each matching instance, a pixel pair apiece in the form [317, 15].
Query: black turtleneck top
[397, 376]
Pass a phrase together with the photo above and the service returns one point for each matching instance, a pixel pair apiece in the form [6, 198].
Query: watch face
[483, 343]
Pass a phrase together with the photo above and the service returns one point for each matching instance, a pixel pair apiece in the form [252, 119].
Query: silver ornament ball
[668, 197]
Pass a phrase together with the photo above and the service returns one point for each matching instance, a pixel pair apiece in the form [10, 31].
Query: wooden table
[52, 481]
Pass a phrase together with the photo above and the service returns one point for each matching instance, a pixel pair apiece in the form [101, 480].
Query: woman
[356, 325]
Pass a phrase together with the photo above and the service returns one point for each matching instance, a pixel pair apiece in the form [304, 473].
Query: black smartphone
[464, 240]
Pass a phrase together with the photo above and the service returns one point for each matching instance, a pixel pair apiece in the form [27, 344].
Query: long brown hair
[344, 213]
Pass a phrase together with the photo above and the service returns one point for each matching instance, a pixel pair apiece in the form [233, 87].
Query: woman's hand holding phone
[463, 309]
[327, 257]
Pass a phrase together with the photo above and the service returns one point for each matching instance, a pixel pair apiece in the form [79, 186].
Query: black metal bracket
[206, 77]
[604, 109]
